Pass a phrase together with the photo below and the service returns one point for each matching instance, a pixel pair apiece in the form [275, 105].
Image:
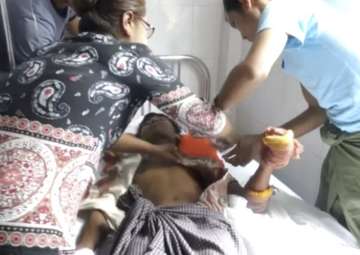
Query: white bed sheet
[290, 225]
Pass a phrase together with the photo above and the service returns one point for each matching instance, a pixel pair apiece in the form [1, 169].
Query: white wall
[197, 27]
[187, 27]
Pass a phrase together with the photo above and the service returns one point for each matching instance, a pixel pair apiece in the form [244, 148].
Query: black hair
[103, 16]
[232, 5]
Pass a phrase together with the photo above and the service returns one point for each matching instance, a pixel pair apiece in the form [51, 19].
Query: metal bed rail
[200, 68]
[7, 35]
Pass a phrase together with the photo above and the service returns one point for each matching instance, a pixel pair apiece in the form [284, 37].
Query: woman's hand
[110, 159]
[248, 148]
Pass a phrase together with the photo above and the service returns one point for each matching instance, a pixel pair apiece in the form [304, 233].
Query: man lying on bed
[176, 209]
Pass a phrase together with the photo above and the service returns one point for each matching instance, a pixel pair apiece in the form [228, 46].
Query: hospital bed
[290, 225]
[184, 65]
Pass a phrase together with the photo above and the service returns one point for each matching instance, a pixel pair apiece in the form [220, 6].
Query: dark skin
[175, 184]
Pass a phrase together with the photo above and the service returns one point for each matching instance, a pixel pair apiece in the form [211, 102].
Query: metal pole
[7, 31]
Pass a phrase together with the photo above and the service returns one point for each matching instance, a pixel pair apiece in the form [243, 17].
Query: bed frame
[7, 57]
[177, 62]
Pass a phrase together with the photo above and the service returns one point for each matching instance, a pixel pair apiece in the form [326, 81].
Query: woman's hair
[232, 5]
[104, 16]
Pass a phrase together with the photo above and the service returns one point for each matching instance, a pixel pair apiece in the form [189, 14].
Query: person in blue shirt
[37, 23]
[318, 46]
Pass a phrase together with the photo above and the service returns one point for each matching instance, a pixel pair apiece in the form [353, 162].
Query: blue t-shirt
[322, 52]
[35, 24]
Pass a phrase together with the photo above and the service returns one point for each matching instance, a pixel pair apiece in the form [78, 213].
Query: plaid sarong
[184, 229]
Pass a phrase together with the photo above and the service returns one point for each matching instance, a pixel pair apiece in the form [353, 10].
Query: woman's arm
[94, 230]
[199, 116]
[166, 91]
[128, 143]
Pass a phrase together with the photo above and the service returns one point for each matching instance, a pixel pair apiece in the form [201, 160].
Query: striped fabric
[182, 230]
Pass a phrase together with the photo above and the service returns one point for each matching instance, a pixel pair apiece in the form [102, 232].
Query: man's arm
[229, 186]
[260, 181]
[265, 50]
[274, 156]
[310, 119]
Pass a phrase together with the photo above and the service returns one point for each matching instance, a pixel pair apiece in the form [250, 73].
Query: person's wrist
[266, 167]
[111, 156]
[262, 195]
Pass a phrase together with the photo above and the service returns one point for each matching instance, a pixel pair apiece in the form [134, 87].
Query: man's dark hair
[232, 5]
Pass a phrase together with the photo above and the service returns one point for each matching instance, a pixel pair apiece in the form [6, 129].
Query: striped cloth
[182, 230]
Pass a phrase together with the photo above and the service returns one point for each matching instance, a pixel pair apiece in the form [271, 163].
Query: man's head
[158, 129]
[244, 15]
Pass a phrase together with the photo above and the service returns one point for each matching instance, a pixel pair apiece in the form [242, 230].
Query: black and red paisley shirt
[59, 111]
